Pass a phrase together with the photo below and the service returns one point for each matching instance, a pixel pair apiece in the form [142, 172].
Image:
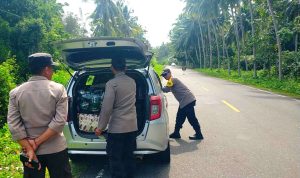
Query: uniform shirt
[118, 107]
[182, 94]
[34, 107]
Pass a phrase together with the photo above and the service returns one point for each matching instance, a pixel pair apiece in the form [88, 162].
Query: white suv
[91, 60]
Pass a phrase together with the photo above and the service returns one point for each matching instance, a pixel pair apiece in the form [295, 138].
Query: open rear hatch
[96, 53]
[91, 56]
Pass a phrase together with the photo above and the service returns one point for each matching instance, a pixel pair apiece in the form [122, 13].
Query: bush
[291, 64]
[7, 78]
[10, 166]
[262, 73]
[61, 76]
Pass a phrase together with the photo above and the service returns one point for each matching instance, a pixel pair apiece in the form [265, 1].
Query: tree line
[242, 35]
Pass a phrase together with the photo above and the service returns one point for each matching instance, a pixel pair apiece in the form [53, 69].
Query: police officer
[187, 101]
[37, 113]
[119, 113]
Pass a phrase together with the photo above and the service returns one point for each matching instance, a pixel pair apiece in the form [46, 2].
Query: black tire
[164, 156]
[76, 158]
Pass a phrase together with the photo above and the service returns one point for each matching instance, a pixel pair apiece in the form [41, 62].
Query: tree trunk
[199, 48]
[277, 39]
[243, 36]
[237, 40]
[223, 41]
[210, 47]
[253, 39]
[203, 47]
[197, 56]
[217, 43]
[228, 65]
[225, 49]
[228, 60]
[296, 41]
[186, 59]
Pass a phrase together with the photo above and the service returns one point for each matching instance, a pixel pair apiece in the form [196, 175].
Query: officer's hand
[33, 144]
[98, 132]
[32, 156]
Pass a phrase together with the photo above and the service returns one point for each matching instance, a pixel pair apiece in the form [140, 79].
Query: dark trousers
[120, 147]
[187, 112]
[56, 163]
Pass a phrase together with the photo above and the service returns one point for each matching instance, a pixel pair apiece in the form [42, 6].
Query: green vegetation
[241, 35]
[7, 81]
[10, 166]
[158, 68]
[288, 87]
[61, 76]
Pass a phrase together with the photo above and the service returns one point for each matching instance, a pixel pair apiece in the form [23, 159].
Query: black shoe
[196, 137]
[175, 135]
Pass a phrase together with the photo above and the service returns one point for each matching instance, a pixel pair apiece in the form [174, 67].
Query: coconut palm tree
[235, 23]
[217, 43]
[253, 38]
[181, 37]
[193, 8]
[106, 18]
[278, 41]
[223, 5]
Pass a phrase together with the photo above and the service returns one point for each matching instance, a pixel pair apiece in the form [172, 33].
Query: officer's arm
[168, 86]
[166, 89]
[107, 106]
[17, 127]
[45, 136]
[14, 120]
[58, 121]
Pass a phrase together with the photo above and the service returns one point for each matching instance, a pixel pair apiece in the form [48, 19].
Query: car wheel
[164, 156]
[75, 158]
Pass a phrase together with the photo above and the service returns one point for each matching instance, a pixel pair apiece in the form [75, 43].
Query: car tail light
[155, 107]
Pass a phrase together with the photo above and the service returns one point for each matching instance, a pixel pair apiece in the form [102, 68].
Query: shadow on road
[183, 146]
[98, 167]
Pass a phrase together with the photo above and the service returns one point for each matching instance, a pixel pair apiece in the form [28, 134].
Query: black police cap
[165, 72]
[41, 60]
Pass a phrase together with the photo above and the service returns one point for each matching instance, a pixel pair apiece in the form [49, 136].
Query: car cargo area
[88, 93]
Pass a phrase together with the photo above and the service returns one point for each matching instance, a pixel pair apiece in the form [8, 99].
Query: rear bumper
[153, 139]
[102, 152]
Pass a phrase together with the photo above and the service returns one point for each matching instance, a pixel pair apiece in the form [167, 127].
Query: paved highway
[248, 133]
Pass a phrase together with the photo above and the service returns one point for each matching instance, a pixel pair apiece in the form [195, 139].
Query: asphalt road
[248, 133]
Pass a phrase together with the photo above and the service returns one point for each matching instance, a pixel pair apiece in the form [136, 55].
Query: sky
[155, 16]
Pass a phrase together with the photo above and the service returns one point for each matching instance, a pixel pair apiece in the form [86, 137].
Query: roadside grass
[10, 166]
[287, 87]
